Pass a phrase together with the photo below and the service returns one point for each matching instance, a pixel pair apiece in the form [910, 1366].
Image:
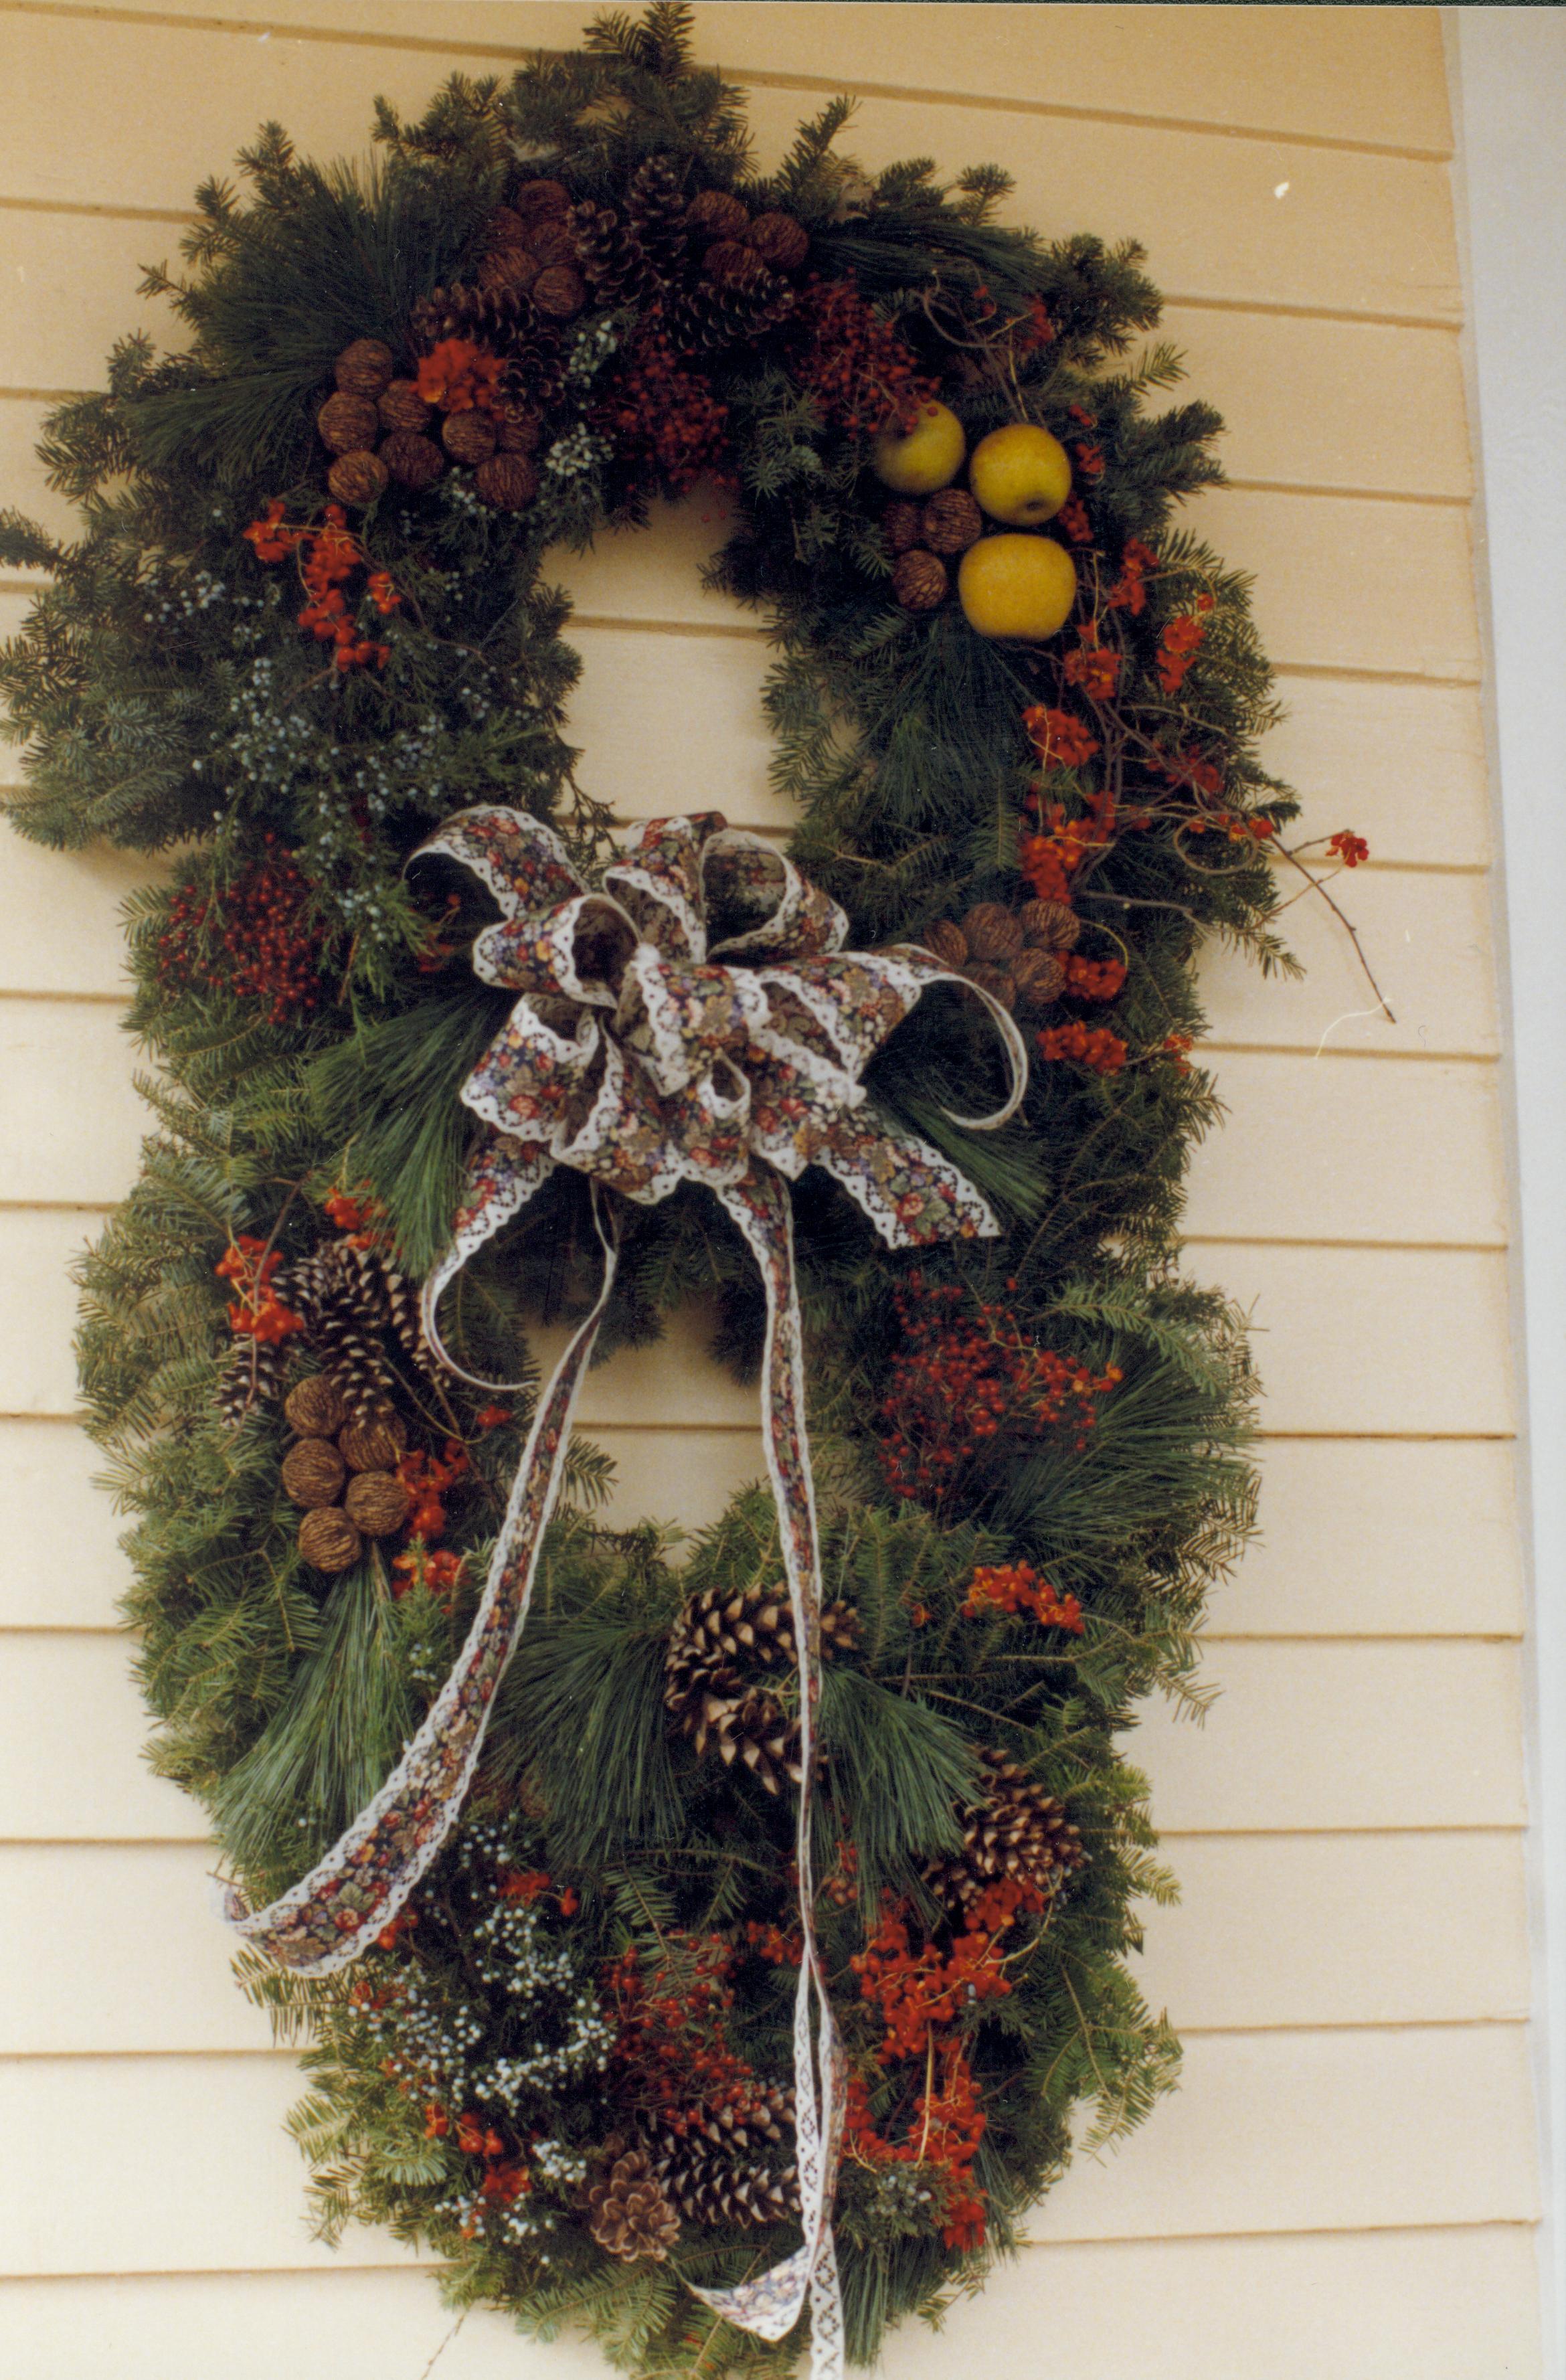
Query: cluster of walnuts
[381, 429]
[344, 1474]
[920, 535]
[1015, 954]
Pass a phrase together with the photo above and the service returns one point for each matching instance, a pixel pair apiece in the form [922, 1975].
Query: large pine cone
[1018, 1831]
[716, 1645]
[710, 314]
[630, 2214]
[709, 2171]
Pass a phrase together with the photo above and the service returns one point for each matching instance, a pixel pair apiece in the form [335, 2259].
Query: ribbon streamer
[645, 1050]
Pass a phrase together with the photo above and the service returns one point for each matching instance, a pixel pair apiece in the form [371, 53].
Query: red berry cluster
[1351, 849]
[962, 1374]
[920, 1995]
[672, 2053]
[1129, 592]
[328, 558]
[1094, 978]
[253, 937]
[426, 1477]
[1016, 1586]
[460, 378]
[1095, 1047]
[1060, 738]
[1179, 643]
[259, 1315]
[860, 374]
[1092, 666]
[662, 416]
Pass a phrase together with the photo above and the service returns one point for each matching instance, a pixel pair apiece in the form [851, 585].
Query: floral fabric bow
[695, 1020]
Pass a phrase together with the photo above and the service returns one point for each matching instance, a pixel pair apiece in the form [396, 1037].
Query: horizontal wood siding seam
[747, 76]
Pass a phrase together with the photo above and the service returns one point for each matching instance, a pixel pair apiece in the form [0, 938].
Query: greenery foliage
[166, 699]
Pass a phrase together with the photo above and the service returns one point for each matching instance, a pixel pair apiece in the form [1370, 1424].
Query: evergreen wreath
[307, 621]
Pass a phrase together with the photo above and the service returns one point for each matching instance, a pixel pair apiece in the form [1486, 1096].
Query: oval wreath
[751, 1935]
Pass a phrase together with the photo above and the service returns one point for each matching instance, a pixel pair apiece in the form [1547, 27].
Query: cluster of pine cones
[1017, 1834]
[350, 1302]
[721, 1638]
[708, 2174]
[1015, 954]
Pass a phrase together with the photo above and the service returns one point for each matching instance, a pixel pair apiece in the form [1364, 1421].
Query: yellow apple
[926, 457]
[1020, 587]
[1020, 474]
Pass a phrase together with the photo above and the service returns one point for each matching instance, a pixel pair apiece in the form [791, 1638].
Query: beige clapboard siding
[1433, 2304]
[1279, 1930]
[1358, 1340]
[1356, 233]
[1273, 2131]
[1335, 1734]
[1351, 80]
[1313, 1148]
[1359, 1537]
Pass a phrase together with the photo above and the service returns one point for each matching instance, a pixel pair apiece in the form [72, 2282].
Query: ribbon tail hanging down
[769, 2306]
[333, 1914]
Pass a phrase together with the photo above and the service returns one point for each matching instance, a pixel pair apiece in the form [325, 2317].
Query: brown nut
[377, 1502]
[468, 437]
[947, 942]
[413, 461]
[357, 479]
[402, 408]
[364, 368]
[315, 1408]
[1050, 925]
[1040, 978]
[994, 932]
[780, 241]
[328, 1542]
[347, 422]
[507, 482]
[373, 1445]
[717, 214]
[560, 292]
[919, 580]
[998, 981]
[313, 1472]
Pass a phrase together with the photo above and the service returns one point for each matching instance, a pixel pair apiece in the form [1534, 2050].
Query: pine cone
[507, 323]
[717, 1641]
[711, 2177]
[708, 315]
[253, 1374]
[1018, 1830]
[630, 2214]
[654, 210]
